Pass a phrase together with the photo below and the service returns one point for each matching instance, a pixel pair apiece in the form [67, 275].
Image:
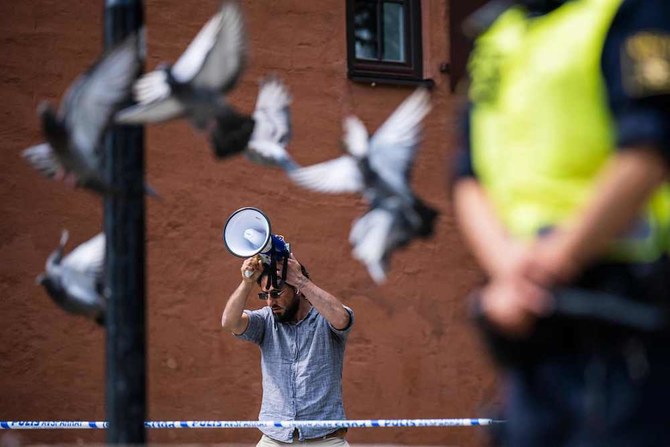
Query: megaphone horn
[247, 233]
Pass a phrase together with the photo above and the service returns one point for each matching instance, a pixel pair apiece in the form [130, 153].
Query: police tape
[364, 423]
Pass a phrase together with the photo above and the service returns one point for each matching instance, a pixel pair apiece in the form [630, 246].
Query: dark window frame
[409, 72]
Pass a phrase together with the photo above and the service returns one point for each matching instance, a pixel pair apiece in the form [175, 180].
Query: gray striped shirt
[302, 370]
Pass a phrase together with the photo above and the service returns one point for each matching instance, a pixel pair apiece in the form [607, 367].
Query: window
[384, 41]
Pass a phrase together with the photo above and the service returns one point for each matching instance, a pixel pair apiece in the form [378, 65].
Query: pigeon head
[52, 286]
[51, 125]
[44, 107]
[46, 112]
[41, 279]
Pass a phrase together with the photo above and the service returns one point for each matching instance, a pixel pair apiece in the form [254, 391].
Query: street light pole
[125, 231]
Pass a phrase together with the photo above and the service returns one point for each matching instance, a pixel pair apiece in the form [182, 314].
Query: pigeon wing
[272, 113]
[192, 60]
[162, 109]
[84, 298]
[93, 98]
[339, 175]
[272, 118]
[355, 137]
[155, 102]
[217, 55]
[88, 258]
[369, 237]
[393, 146]
[41, 157]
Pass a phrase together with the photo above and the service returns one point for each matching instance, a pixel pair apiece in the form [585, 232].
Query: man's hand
[294, 276]
[253, 265]
[513, 304]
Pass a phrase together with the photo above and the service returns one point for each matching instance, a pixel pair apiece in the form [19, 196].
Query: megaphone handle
[284, 270]
[273, 269]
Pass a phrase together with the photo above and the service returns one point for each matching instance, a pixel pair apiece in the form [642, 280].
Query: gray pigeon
[270, 132]
[379, 168]
[73, 151]
[195, 86]
[75, 282]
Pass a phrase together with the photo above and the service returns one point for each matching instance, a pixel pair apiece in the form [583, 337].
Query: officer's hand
[512, 305]
[551, 262]
[521, 259]
[512, 261]
[251, 269]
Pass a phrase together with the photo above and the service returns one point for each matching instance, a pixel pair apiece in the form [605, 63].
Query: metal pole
[124, 227]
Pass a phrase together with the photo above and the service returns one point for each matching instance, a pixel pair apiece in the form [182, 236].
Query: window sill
[373, 80]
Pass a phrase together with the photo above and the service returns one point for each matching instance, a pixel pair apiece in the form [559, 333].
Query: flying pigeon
[73, 151]
[379, 169]
[75, 282]
[265, 141]
[195, 86]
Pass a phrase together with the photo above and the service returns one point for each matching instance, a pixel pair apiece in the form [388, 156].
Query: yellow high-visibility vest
[541, 129]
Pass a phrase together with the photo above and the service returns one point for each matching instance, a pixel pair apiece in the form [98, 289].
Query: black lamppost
[124, 227]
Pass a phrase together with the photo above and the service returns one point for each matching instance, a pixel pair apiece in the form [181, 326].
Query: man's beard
[289, 312]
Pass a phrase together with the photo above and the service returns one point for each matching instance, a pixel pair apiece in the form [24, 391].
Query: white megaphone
[248, 233]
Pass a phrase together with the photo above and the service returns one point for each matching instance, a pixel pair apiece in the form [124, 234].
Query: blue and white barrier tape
[46, 425]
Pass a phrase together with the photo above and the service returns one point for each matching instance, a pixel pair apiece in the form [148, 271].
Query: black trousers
[578, 383]
[600, 399]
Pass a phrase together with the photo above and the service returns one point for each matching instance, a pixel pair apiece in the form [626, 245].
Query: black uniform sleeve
[636, 68]
[463, 163]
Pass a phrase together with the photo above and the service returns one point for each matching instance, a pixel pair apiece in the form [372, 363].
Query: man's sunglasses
[275, 293]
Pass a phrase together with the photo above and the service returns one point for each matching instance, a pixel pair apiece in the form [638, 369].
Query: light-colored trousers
[331, 442]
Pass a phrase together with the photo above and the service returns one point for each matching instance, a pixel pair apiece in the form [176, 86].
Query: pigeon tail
[377, 271]
[64, 237]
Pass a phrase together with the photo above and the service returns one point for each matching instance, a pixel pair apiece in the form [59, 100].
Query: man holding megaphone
[302, 332]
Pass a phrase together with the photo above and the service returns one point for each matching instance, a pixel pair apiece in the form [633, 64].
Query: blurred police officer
[561, 186]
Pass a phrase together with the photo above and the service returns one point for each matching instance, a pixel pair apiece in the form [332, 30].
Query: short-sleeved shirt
[301, 364]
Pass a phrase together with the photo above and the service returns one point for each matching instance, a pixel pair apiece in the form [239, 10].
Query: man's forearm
[232, 318]
[328, 306]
